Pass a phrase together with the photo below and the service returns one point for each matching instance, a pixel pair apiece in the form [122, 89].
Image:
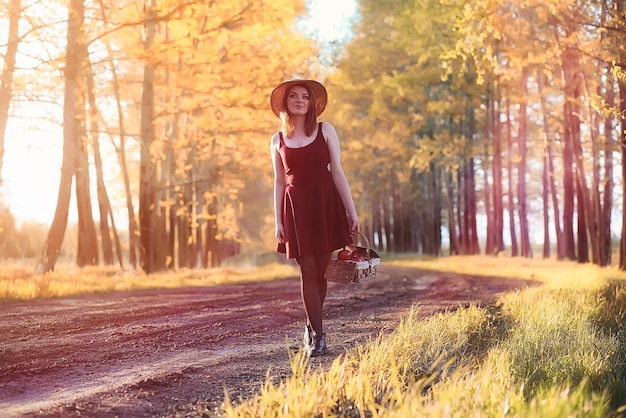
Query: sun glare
[329, 20]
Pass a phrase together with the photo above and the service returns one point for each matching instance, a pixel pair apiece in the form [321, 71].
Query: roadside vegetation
[17, 281]
[551, 351]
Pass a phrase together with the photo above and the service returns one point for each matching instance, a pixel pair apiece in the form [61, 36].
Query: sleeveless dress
[314, 216]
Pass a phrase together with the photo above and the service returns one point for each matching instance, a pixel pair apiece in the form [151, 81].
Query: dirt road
[170, 353]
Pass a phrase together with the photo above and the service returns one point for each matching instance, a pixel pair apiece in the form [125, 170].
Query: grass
[17, 281]
[558, 350]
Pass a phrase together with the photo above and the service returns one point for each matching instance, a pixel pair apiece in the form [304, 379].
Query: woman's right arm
[279, 187]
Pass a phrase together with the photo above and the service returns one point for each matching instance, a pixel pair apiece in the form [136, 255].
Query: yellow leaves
[182, 210]
[205, 216]
[355, 146]
[445, 150]
[166, 203]
[617, 71]
[599, 105]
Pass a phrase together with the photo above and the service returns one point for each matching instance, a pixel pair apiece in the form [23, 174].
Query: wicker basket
[348, 271]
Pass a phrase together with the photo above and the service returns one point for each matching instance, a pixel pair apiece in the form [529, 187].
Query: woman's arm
[279, 188]
[338, 175]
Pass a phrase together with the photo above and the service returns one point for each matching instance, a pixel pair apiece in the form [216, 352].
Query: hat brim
[319, 93]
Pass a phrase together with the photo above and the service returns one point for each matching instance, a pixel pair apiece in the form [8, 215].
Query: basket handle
[367, 243]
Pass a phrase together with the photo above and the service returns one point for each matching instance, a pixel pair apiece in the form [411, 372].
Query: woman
[313, 206]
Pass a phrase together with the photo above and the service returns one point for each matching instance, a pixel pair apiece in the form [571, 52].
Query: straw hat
[319, 92]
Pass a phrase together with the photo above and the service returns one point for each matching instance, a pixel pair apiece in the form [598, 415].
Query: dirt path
[174, 352]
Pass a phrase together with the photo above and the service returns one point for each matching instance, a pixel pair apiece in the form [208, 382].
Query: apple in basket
[344, 255]
[357, 256]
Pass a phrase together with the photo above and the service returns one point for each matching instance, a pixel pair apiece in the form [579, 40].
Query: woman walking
[313, 206]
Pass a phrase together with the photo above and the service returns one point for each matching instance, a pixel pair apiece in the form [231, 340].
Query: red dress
[314, 217]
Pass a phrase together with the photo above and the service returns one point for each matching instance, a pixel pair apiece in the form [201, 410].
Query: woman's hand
[280, 233]
[353, 219]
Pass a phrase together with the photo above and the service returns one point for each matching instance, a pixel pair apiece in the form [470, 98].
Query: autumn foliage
[466, 127]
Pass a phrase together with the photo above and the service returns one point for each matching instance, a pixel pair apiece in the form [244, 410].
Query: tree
[147, 188]
[108, 233]
[71, 135]
[8, 235]
[395, 111]
[120, 151]
[8, 68]
[201, 113]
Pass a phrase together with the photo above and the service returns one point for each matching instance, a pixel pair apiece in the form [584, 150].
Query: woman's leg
[309, 291]
[313, 287]
[321, 261]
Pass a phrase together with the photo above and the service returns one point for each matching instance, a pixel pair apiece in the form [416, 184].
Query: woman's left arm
[338, 175]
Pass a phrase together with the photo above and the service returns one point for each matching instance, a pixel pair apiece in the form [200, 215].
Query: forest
[484, 127]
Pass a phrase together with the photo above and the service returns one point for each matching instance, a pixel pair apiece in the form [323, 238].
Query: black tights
[313, 287]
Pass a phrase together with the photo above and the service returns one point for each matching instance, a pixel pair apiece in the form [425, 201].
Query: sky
[33, 148]
[329, 20]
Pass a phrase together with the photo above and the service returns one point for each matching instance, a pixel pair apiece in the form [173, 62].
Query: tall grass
[557, 350]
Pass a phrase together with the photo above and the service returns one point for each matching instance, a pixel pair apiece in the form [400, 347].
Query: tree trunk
[582, 245]
[183, 236]
[437, 208]
[487, 199]
[133, 232]
[430, 210]
[545, 197]
[462, 217]
[498, 206]
[147, 192]
[589, 200]
[6, 80]
[211, 231]
[511, 182]
[607, 192]
[573, 86]
[104, 205]
[398, 217]
[71, 138]
[417, 219]
[622, 141]
[597, 227]
[87, 252]
[171, 239]
[549, 162]
[568, 168]
[493, 190]
[471, 210]
[386, 221]
[606, 209]
[452, 224]
[522, 142]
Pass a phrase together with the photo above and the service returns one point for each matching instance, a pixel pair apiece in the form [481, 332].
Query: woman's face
[298, 101]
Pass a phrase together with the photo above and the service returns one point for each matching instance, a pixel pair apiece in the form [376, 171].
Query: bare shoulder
[328, 130]
[275, 141]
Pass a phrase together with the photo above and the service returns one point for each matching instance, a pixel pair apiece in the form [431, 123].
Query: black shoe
[318, 346]
[307, 340]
